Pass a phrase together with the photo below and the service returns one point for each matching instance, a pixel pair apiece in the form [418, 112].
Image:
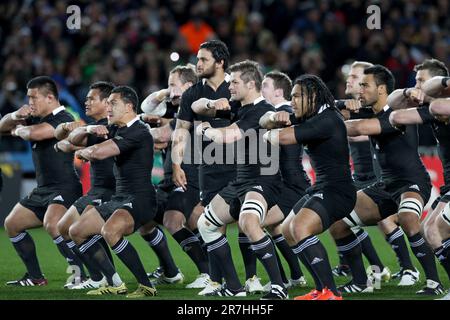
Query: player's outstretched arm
[363, 127]
[437, 87]
[272, 120]
[101, 151]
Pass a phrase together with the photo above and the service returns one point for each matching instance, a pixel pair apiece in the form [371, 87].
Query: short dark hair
[382, 76]
[281, 81]
[318, 94]
[186, 73]
[45, 85]
[103, 87]
[250, 71]
[128, 95]
[219, 51]
[434, 66]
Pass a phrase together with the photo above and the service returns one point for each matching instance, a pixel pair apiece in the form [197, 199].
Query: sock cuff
[58, 240]
[154, 238]
[217, 243]
[278, 238]
[446, 243]
[185, 237]
[397, 233]
[416, 240]
[120, 246]
[19, 237]
[305, 243]
[70, 243]
[260, 244]
[242, 238]
[347, 243]
[362, 234]
[89, 243]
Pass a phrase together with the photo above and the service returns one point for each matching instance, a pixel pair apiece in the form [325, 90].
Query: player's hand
[220, 104]
[153, 120]
[282, 118]
[79, 155]
[70, 126]
[162, 94]
[175, 93]
[160, 146]
[23, 113]
[199, 129]
[98, 130]
[179, 177]
[417, 95]
[14, 130]
[353, 105]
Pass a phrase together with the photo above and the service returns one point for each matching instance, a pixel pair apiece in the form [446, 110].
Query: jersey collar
[227, 79]
[58, 110]
[130, 123]
[258, 100]
[279, 105]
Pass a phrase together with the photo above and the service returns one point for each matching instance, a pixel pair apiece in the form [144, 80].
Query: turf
[54, 267]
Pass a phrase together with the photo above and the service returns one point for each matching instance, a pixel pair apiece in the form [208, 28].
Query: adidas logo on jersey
[316, 260]
[97, 201]
[318, 195]
[128, 205]
[58, 198]
[258, 187]
[266, 256]
[415, 187]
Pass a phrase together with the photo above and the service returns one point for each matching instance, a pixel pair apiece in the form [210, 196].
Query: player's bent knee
[209, 229]
[445, 214]
[353, 220]
[254, 207]
[411, 205]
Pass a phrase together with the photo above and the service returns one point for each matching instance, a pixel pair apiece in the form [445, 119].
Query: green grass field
[54, 266]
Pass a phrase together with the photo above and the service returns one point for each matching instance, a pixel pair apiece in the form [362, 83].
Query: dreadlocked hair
[317, 92]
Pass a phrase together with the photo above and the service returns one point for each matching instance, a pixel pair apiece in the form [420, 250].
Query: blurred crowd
[131, 41]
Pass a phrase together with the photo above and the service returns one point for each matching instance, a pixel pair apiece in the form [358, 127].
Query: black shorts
[288, 198]
[388, 196]
[95, 197]
[141, 207]
[362, 181]
[177, 200]
[234, 193]
[40, 198]
[212, 179]
[442, 198]
[331, 203]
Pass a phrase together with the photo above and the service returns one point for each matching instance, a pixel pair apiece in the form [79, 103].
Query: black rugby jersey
[396, 151]
[53, 168]
[291, 167]
[441, 132]
[325, 137]
[134, 164]
[102, 173]
[249, 163]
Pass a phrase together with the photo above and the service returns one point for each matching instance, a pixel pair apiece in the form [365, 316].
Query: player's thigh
[221, 209]
[21, 218]
[121, 223]
[366, 209]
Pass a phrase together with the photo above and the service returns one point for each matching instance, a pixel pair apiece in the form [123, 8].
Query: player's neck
[99, 117]
[216, 80]
[379, 105]
[252, 96]
[127, 118]
[51, 108]
[279, 101]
